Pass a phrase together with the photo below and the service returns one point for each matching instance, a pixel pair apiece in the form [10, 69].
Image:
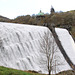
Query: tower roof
[40, 13]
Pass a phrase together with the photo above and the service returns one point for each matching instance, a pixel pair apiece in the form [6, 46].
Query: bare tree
[49, 50]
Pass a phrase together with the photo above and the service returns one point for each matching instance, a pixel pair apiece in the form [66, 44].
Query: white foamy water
[67, 42]
[21, 46]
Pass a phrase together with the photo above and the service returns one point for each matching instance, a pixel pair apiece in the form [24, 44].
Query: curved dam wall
[67, 43]
[21, 48]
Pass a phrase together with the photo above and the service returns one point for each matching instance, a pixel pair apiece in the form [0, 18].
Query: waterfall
[21, 45]
[67, 42]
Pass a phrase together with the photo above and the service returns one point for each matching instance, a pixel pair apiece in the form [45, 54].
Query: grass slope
[9, 71]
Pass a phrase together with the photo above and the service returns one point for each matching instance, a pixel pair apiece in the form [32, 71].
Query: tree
[68, 18]
[22, 19]
[32, 21]
[49, 50]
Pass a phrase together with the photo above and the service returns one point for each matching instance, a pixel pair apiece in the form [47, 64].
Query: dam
[21, 47]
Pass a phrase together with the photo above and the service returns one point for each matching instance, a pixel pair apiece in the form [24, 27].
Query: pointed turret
[52, 10]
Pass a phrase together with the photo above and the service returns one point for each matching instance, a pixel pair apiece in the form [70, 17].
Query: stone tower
[52, 10]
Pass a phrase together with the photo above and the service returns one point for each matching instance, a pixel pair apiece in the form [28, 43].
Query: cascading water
[67, 43]
[20, 47]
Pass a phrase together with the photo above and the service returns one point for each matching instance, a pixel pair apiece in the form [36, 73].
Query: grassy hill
[9, 71]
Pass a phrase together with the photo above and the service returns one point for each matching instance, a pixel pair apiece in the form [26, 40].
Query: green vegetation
[58, 18]
[9, 71]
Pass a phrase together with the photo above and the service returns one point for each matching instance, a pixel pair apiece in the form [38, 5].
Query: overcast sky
[14, 8]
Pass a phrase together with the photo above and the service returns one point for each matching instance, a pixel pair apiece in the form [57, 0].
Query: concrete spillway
[21, 46]
[67, 42]
[66, 46]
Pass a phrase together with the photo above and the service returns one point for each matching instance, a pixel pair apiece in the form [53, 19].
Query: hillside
[9, 71]
[4, 19]
[72, 11]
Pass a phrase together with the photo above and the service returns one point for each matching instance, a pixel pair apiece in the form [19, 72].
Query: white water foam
[21, 45]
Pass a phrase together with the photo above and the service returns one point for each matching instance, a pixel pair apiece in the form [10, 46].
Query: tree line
[58, 18]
